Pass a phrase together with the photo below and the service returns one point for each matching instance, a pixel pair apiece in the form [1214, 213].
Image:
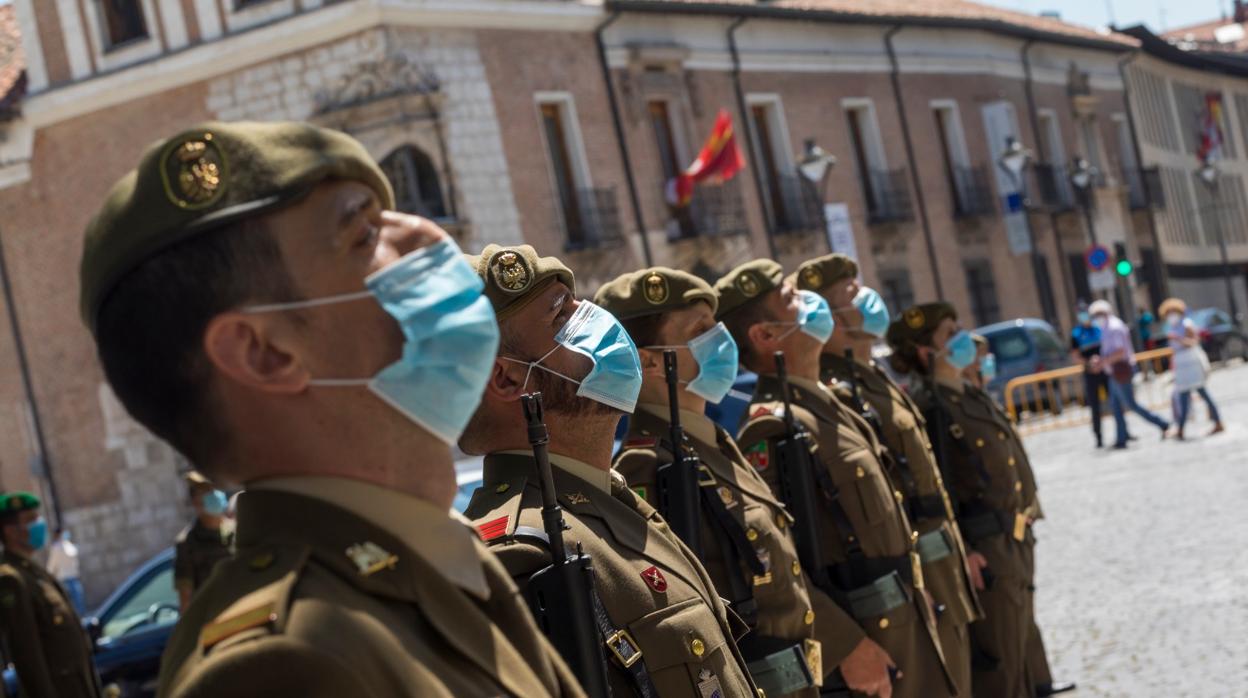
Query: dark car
[1219, 335]
[1022, 347]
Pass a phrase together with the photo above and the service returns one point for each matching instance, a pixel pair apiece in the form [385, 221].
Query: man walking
[1119, 358]
[1085, 347]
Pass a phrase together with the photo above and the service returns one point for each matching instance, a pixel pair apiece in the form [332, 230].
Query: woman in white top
[1190, 363]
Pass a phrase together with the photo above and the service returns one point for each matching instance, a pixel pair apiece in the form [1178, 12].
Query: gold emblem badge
[656, 288]
[371, 558]
[511, 271]
[578, 498]
[914, 318]
[813, 277]
[747, 284]
[194, 172]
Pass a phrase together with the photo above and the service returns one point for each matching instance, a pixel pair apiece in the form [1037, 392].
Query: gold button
[979, 443]
[809, 618]
[797, 568]
[897, 495]
[261, 561]
[58, 619]
[697, 647]
[860, 472]
[1001, 435]
[1018, 487]
[751, 534]
[781, 521]
[914, 536]
[883, 623]
[502, 488]
[1011, 460]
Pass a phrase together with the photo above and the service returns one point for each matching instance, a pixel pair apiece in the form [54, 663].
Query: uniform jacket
[785, 608]
[321, 601]
[198, 549]
[649, 582]
[44, 636]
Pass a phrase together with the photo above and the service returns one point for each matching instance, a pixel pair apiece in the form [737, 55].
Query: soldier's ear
[257, 351]
[651, 363]
[506, 380]
[760, 334]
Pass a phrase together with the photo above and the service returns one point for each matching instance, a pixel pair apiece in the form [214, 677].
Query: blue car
[130, 629]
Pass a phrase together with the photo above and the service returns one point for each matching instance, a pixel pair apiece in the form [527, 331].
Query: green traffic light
[1124, 267]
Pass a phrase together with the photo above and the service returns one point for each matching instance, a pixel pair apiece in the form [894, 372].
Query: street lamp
[813, 165]
[1208, 174]
[1082, 174]
[1014, 160]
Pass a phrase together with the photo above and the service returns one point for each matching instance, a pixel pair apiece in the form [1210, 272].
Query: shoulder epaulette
[495, 509]
[273, 572]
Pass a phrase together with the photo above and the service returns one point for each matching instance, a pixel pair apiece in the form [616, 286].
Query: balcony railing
[716, 210]
[1053, 188]
[594, 221]
[1144, 188]
[800, 209]
[972, 194]
[889, 198]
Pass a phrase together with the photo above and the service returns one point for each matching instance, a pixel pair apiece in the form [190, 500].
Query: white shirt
[63, 560]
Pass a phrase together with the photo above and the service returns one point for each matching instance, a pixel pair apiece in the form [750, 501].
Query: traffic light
[1124, 267]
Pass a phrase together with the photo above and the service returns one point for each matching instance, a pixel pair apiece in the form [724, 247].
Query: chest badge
[578, 498]
[758, 457]
[371, 558]
[708, 685]
[726, 496]
[654, 579]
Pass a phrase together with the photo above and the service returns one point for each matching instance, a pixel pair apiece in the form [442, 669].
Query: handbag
[1121, 372]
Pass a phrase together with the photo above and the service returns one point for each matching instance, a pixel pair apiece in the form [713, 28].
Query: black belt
[625, 651]
[931, 506]
[861, 571]
[984, 523]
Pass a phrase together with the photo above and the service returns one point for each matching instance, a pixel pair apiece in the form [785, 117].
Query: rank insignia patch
[640, 491]
[654, 579]
[495, 528]
[758, 457]
[641, 442]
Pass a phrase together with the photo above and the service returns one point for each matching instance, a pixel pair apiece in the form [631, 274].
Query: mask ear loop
[537, 364]
[313, 303]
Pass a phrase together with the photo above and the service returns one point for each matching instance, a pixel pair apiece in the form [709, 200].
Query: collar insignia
[654, 579]
[371, 558]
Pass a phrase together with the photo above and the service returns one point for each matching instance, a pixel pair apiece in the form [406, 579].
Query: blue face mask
[215, 503]
[450, 338]
[1084, 318]
[715, 351]
[37, 533]
[988, 367]
[960, 350]
[874, 312]
[615, 379]
[814, 317]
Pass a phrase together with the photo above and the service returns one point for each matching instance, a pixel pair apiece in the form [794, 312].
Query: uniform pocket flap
[683, 633]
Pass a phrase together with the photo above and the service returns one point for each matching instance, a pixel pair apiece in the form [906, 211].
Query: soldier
[861, 321]
[874, 569]
[666, 629]
[979, 457]
[256, 302]
[745, 532]
[50, 650]
[205, 542]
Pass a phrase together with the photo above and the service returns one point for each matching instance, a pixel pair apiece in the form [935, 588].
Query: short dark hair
[739, 322]
[151, 326]
[644, 329]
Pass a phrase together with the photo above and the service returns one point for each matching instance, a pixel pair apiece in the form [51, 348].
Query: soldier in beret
[885, 619]
[981, 457]
[38, 625]
[667, 631]
[205, 542]
[861, 321]
[745, 534]
[256, 302]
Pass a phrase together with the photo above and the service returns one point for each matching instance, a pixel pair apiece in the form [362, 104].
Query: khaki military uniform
[198, 550]
[649, 583]
[49, 648]
[917, 476]
[853, 459]
[343, 588]
[772, 596]
[981, 457]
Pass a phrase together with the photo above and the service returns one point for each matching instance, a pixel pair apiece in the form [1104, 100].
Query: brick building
[512, 120]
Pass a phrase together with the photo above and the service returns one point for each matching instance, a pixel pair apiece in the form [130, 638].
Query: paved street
[1142, 564]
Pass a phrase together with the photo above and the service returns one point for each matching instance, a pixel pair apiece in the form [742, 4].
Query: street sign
[1102, 280]
[1097, 257]
[840, 229]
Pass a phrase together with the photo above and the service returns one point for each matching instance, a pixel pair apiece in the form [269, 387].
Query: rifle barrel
[539, 439]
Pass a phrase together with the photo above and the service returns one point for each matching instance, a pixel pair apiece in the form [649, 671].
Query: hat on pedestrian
[515, 275]
[980, 340]
[914, 329]
[207, 177]
[746, 284]
[820, 272]
[653, 291]
[1172, 305]
[1101, 307]
[14, 502]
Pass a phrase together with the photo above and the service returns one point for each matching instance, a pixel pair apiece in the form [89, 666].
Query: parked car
[1219, 335]
[1022, 347]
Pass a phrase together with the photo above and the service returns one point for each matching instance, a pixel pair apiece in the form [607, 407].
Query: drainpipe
[1139, 162]
[1033, 119]
[23, 367]
[764, 204]
[915, 180]
[620, 140]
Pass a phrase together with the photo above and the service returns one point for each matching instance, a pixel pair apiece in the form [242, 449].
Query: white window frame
[237, 18]
[108, 58]
[1089, 127]
[870, 126]
[571, 131]
[778, 127]
[1126, 149]
[1047, 119]
[676, 123]
[955, 136]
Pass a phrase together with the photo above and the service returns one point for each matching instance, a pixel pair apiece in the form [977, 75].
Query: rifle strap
[624, 650]
[832, 500]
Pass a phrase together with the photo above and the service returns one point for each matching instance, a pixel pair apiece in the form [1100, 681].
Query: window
[669, 160]
[1079, 276]
[856, 119]
[1090, 142]
[151, 602]
[123, 21]
[968, 185]
[590, 215]
[555, 129]
[772, 157]
[982, 291]
[415, 182]
[896, 289]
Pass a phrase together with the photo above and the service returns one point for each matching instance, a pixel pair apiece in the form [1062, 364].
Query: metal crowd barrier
[1055, 399]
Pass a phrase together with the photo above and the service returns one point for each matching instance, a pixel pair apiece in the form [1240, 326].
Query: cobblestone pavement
[1142, 562]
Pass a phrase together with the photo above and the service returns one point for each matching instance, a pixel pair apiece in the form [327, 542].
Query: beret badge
[914, 318]
[748, 285]
[510, 271]
[194, 172]
[655, 289]
[812, 276]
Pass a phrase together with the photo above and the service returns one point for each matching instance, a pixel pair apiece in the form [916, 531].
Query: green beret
[653, 291]
[207, 177]
[815, 274]
[13, 502]
[747, 282]
[916, 325]
[513, 275]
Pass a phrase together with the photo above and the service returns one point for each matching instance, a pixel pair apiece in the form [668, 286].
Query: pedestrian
[256, 301]
[657, 600]
[744, 530]
[43, 633]
[1190, 364]
[207, 540]
[1085, 347]
[1118, 359]
[1146, 320]
[63, 564]
[973, 445]
[861, 319]
[868, 548]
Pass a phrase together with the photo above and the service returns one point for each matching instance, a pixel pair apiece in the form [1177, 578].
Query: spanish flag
[719, 161]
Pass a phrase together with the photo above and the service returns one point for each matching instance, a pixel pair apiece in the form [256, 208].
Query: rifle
[562, 595]
[678, 481]
[859, 406]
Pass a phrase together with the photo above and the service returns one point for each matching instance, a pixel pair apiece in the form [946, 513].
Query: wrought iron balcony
[1053, 188]
[798, 207]
[972, 194]
[1144, 188]
[888, 197]
[716, 210]
[593, 220]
